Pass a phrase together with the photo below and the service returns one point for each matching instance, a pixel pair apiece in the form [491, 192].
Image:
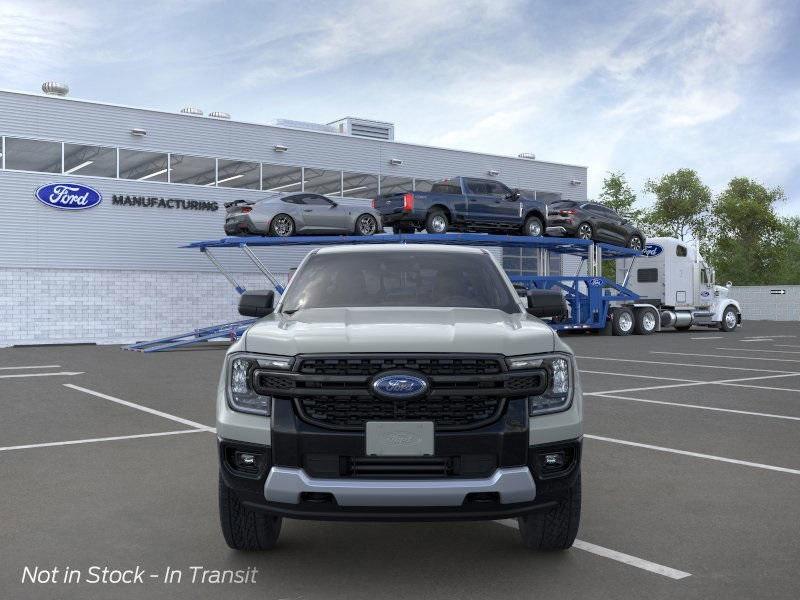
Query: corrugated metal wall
[125, 237]
[767, 302]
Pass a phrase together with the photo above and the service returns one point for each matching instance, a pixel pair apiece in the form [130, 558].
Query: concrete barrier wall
[768, 303]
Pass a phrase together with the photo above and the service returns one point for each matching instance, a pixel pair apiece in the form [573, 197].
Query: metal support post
[590, 260]
[261, 267]
[544, 262]
[222, 270]
[628, 272]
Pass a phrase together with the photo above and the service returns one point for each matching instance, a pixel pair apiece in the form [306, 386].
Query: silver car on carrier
[284, 215]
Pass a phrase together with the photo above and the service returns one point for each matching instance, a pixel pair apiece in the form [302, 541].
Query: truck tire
[243, 527]
[645, 322]
[729, 319]
[556, 528]
[622, 321]
[533, 227]
[282, 225]
[436, 222]
[635, 242]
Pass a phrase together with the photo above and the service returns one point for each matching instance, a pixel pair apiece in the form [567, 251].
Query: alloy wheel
[585, 231]
[367, 225]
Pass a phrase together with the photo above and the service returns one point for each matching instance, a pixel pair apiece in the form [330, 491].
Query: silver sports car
[283, 215]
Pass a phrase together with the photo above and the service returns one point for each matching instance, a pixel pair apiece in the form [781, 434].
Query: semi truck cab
[674, 278]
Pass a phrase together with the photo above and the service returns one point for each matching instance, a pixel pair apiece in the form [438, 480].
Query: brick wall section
[45, 306]
[758, 303]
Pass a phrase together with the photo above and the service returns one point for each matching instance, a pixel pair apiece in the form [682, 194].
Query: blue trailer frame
[589, 296]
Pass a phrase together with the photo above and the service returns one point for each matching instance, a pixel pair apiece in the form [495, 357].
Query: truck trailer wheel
[645, 322]
[729, 320]
[556, 528]
[243, 527]
[622, 321]
[436, 222]
[533, 227]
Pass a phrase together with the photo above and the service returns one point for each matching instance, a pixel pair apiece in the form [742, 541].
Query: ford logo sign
[595, 282]
[68, 196]
[399, 386]
[652, 250]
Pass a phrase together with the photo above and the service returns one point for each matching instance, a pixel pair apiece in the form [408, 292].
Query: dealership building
[114, 271]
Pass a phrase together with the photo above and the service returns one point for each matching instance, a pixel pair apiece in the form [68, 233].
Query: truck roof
[399, 248]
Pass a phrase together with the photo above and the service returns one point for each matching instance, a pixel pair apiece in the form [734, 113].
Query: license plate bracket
[399, 438]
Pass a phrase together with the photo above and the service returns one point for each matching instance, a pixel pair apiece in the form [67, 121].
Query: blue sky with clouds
[641, 87]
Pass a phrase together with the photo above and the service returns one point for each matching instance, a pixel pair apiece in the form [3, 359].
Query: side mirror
[546, 303]
[513, 196]
[729, 284]
[257, 303]
[334, 204]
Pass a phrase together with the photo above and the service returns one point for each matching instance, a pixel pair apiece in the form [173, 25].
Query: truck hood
[344, 330]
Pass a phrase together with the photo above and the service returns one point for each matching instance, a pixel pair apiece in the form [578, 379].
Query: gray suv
[399, 383]
[284, 215]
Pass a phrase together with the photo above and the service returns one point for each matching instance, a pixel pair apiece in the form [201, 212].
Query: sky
[639, 87]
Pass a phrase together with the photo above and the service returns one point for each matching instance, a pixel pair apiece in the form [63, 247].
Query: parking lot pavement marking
[31, 367]
[733, 461]
[627, 559]
[759, 350]
[787, 346]
[639, 376]
[701, 407]
[674, 364]
[691, 382]
[20, 375]
[102, 439]
[794, 360]
[146, 409]
[708, 337]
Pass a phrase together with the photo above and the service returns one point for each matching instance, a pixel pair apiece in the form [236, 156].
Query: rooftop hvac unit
[219, 115]
[376, 130]
[192, 110]
[53, 88]
[303, 125]
[527, 155]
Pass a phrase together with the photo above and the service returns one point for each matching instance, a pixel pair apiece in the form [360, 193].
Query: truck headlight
[558, 395]
[240, 368]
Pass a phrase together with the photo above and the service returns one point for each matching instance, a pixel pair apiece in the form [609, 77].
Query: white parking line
[699, 406]
[794, 360]
[635, 375]
[756, 340]
[692, 382]
[759, 350]
[103, 439]
[674, 364]
[20, 375]
[31, 367]
[787, 346]
[627, 559]
[708, 337]
[733, 461]
[146, 409]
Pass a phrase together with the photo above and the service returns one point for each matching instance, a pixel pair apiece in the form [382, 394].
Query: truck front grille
[466, 391]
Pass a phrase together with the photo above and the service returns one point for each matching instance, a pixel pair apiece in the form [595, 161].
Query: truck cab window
[647, 275]
[680, 250]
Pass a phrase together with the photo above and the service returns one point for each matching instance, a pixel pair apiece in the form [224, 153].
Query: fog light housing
[554, 460]
[249, 462]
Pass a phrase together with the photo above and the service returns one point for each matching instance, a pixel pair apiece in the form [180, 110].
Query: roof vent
[192, 110]
[376, 130]
[53, 88]
[527, 155]
[303, 125]
[219, 115]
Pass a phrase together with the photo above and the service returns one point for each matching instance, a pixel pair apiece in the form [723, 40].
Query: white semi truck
[676, 289]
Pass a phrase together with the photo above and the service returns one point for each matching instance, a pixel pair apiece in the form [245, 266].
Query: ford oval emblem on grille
[399, 386]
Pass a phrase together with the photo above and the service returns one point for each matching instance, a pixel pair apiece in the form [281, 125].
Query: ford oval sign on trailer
[399, 386]
[68, 196]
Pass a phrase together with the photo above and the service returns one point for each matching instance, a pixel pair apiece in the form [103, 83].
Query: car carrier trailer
[595, 302]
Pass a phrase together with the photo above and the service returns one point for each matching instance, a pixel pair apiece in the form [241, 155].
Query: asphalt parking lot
[691, 481]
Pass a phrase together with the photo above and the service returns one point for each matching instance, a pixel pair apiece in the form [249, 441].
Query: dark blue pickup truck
[464, 204]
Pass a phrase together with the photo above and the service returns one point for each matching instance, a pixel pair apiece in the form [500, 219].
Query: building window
[143, 166]
[196, 170]
[359, 185]
[525, 261]
[33, 155]
[423, 185]
[279, 178]
[396, 185]
[98, 161]
[320, 181]
[238, 174]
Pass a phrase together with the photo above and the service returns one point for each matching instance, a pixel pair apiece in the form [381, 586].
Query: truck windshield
[407, 278]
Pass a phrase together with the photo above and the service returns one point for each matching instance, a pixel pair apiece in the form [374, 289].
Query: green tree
[618, 195]
[751, 244]
[681, 206]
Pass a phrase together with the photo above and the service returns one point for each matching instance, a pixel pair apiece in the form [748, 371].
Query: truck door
[480, 201]
[705, 289]
[680, 285]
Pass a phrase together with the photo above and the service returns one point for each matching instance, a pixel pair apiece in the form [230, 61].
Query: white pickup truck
[399, 383]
